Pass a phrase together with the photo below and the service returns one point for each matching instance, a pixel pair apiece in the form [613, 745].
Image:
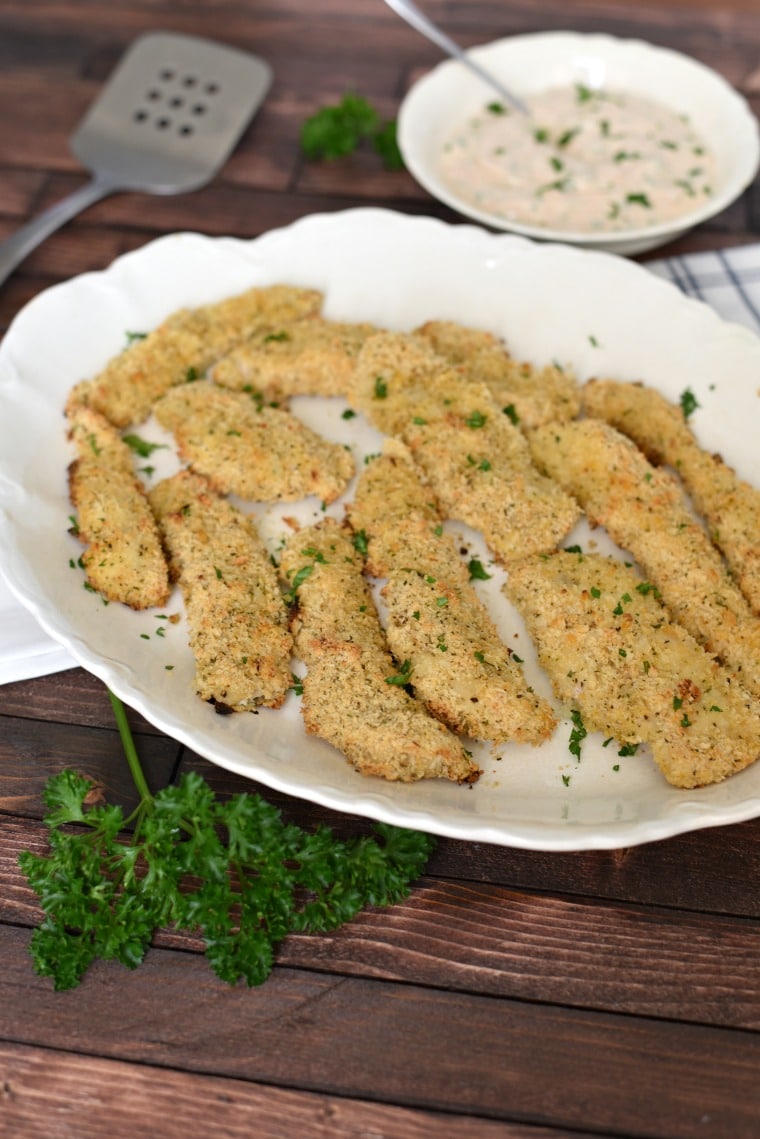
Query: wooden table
[515, 993]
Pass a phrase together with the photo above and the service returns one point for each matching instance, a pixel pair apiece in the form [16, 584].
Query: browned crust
[123, 559]
[611, 650]
[238, 622]
[347, 699]
[729, 505]
[460, 668]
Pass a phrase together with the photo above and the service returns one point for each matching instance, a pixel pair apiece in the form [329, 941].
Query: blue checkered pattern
[727, 279]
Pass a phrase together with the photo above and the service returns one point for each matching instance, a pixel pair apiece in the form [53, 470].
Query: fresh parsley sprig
[337, 130]
[231, 870]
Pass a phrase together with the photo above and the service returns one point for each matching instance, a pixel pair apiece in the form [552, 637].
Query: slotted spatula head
[171, 113]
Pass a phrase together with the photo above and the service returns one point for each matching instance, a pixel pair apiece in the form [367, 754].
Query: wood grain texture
[461, 1053]
[515, 994]
[491, 940]
[51, 1095]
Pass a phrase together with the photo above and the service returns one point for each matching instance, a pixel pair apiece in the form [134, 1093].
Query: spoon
[413, 16]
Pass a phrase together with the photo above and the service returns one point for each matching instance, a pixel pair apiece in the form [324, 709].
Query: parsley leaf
[689, 402]
[231, 870]
[577, 735]
[141, 446]
[337, 130]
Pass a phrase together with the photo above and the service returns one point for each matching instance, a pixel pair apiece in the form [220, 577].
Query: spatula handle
[20, 245]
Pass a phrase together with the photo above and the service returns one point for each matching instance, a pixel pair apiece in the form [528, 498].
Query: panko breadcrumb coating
[124, 560]
[238, 621]
[478, 464]
[458, 665]
[243, 447]
[353, 692]
[611, 651]
[730, 506]
[314, 356]
[530, 395]
[643, 509]
[185, 345]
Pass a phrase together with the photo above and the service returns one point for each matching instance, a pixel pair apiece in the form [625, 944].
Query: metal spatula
[165, 123]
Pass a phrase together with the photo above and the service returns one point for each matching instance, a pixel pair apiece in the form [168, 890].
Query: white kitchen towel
[25, 649]
[727, 279]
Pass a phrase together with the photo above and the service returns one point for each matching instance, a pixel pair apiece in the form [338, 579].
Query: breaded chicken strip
[302, 357]
[458, 665]
[124, 560]
[529, 395]
[730, 506]
[238, 621]
[260, 453]
[611, 650]
[644, 511]
[353, 693]
[184, 346]
[478, 464]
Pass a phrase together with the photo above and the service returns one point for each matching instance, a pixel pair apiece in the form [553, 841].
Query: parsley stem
[130, 750]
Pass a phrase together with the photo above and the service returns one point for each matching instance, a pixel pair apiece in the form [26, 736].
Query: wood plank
[45, 1093]
[501, 942]
[687, 871]
[73, 696]
[32, 751]
[463, 1054]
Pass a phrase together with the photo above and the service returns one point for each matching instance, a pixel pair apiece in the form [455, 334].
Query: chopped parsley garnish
[142, 447]
[577, 735]
[561, 184]
[380, 390]
[639, 200]
[689, 402]
[401, 678]
[511, 413]
[360, 542]
[477, 570]
[567, 136]
[297, 685]
[298, 580]
[476, 419]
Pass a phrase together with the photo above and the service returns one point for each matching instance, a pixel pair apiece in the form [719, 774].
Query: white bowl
[532, 63]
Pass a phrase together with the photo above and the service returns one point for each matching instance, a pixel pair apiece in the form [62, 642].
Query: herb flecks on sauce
[584, 161]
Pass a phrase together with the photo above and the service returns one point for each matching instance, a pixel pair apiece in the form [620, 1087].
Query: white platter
[598, 313]
[531, 63]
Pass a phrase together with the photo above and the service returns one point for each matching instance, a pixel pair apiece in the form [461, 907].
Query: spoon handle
[420, 22]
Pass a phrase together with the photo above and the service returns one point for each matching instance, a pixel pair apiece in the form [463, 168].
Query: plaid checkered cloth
[727, 279]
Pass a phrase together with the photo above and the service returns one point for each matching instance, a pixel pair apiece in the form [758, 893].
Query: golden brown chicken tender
[353, 692]
[611, 650]
[124, 560]
[729, 505]
[458, 665]
[243, 447]
[238, 621]
[477, 463]
[644, 511]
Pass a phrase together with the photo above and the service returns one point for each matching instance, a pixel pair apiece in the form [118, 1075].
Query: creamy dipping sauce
[583, 161]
